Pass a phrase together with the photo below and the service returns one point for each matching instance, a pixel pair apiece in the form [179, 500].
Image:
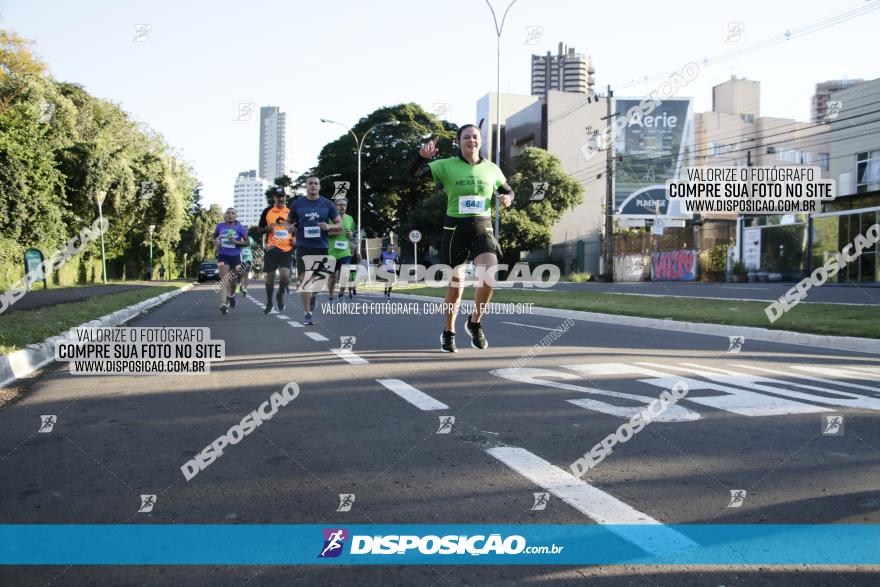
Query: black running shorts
[465, 238]
[275, 258]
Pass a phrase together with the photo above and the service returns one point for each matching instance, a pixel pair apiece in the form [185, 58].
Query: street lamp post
[360, 145]
[152, 227]
[498, 30]
[99, 198]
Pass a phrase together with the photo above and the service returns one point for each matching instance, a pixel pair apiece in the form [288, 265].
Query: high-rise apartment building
[273, 143]
[567, 71]
[250, 197]
[819, 101]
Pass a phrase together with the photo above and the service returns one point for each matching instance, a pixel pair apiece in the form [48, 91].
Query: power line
[782, 38]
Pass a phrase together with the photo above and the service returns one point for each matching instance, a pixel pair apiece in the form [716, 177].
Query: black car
[208, 271]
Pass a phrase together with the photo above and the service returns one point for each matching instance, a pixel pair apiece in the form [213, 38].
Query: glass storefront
[832, 232]
[782, 250]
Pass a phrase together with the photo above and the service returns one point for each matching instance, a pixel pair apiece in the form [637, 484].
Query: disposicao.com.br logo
[394, 544]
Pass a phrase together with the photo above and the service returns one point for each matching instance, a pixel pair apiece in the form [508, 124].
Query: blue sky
[343, 59]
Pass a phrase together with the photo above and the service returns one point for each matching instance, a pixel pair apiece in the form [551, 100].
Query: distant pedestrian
[161, 272]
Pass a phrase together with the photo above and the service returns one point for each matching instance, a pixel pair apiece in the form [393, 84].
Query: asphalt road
[366, 422]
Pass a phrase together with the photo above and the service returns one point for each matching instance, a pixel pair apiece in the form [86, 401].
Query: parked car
[208, 271]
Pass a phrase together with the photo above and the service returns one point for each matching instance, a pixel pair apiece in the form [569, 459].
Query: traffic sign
[415, 235]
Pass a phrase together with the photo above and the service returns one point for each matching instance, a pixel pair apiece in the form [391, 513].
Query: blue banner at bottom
[350, 544]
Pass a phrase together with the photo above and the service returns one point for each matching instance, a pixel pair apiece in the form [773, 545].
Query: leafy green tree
[282, 181]
[527, 224]
[389, 194]
[58, 147]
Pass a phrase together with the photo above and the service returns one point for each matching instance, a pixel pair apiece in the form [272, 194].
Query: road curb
[22, 363]
[841, 343]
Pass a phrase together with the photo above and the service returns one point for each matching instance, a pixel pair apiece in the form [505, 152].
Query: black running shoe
[447, 342]
[475, 330]
[231, 301]
[279, 300]
[223, 309]
[268, 306]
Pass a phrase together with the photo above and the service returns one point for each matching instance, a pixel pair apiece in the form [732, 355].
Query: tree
[527, 224]
[389, 194]
[196, 240]
[58, 146]
[282, 181]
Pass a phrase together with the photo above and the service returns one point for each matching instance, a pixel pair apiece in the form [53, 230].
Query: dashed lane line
[419, 399]
[591, 501]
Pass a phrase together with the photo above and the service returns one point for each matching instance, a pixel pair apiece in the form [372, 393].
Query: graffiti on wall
[674, 266]
[631, 267]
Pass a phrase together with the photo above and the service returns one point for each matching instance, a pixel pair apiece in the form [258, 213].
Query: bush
[717, 257]
[577, 277]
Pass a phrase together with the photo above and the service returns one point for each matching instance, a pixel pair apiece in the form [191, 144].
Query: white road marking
[591, 501]
[676, 413]
[832, 371]
[844, 398]
[295, 324]
[316, 336]
[349, 357]
[734, 399]
[529, 326]
[750, 403]
[282, 316]
[419, 399]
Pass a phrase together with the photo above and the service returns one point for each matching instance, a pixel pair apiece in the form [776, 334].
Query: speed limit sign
[415, 235]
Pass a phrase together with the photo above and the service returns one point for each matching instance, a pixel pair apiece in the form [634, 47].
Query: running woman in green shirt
[247, 261]
[470, 182]
[340, 245]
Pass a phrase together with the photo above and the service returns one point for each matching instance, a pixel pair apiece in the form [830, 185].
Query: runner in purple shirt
[229, 236]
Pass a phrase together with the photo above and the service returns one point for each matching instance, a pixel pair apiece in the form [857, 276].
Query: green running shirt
[247, 253]
[469, 188]
[343, 249]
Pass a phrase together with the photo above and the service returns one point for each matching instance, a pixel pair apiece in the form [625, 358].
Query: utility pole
[608, 259]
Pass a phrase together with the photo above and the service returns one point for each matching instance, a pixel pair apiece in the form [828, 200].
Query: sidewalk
[762, 292]
[40, 298]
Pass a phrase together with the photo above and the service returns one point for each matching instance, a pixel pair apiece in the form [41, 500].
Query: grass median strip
[830, 319]
[21, 328]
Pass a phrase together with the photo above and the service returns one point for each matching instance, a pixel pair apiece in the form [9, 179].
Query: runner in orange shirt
[279, 245]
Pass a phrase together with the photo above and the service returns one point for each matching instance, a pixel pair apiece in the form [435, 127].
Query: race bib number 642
[471, 205]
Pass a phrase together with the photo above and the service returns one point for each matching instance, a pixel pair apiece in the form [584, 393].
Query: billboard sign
[651, 149]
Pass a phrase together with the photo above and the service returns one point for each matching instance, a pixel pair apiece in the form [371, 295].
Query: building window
[794, 156]
[867, 172]
[824, 161]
